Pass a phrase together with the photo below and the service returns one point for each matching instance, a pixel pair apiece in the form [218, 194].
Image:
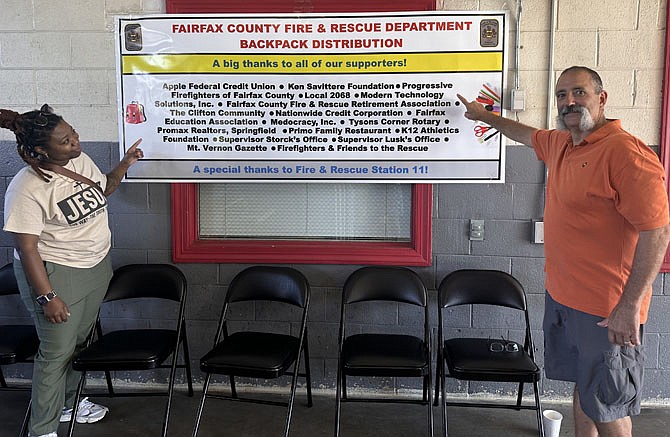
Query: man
[606, 232]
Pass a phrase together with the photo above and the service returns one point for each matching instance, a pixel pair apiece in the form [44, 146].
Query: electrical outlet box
[518, 100]
[476, 230]
[538, 231]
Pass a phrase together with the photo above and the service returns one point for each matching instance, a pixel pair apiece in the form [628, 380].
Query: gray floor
[142, 416]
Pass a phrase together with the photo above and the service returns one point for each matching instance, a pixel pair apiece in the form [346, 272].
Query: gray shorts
[608, 377]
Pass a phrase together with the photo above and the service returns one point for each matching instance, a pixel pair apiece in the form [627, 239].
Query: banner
[311, 98]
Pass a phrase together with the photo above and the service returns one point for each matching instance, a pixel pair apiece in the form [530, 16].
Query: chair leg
[344, 386]
[173, 375]
[187, 362]
[308, 376]
[110, 387]
[438, 379]
[26, 419]
[538, 406]
[77, 397]
[338, 399]
[205, 387]
[233, 391]
[3, 383]
[294, 386]
[429, 403]
[443, 390]
[519, 396]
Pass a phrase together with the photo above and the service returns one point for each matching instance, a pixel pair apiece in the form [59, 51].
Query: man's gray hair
[597, 81]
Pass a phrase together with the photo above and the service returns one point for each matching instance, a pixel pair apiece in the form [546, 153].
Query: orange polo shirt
[600, 194]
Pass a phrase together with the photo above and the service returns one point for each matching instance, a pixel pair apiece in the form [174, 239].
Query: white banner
[311, 98]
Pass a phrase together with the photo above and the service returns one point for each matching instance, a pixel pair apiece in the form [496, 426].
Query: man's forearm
[623, 322]
[512, 129]
[649, 253]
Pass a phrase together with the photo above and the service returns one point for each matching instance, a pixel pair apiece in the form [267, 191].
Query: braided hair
[32, 129]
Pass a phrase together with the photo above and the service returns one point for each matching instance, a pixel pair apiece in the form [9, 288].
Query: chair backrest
[492, 287]
[8, 283]
[396, 284]
[273, 283]
[163, 281]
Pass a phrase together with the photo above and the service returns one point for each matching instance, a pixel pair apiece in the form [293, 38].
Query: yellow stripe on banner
[285, 64]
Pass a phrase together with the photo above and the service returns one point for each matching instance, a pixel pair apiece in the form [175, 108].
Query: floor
[142, 416]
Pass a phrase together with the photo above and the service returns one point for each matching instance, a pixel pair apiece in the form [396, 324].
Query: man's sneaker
[51, 434]
[88, 412]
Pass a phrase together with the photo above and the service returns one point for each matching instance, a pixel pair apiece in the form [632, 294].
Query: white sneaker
[88, 412]
[51, 434]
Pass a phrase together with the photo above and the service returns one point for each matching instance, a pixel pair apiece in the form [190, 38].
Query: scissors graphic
[481, 130]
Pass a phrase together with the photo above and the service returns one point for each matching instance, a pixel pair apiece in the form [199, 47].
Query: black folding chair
[485, 359]
[18, 342]
[384, 355]
[256, 353]
[140, 349]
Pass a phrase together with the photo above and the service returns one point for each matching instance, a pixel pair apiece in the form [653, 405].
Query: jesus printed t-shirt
[70, 217]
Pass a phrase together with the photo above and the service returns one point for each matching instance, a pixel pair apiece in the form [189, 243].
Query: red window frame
[665, 123]
[188, 247]
[186, 243]
[268, 6]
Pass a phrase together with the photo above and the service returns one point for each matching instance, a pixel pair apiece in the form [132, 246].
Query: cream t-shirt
[69, 217]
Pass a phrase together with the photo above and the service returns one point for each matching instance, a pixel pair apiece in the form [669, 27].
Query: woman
[56, 211]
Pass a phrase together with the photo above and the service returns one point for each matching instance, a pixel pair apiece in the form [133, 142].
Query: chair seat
[384, 355]
[133, 349]
[254, 354]
[471, 358]
[17, 342]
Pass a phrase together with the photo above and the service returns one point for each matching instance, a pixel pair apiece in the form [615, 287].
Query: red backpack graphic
[135, 113]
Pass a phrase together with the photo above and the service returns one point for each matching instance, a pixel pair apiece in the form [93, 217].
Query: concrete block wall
[62, 53]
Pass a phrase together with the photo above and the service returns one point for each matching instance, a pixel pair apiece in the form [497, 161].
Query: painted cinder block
[13, 88]
[123, 7]
[651, 14]
[630, 49]
[620, 87]
[597, 14]
[648, 87]
[72, 87]
[534, 84]
[644, 123]
[93, 50]
[578, 47]
[16, 15]
[35, 50]
[73, 15]
[476, 201]
[535, 16]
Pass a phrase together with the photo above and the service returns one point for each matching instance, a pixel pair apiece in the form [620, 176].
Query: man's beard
[586, 122]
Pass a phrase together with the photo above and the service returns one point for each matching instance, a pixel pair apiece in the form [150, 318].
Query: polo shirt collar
[608, 128]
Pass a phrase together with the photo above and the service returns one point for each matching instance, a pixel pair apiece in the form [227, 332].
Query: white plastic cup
[551, 420]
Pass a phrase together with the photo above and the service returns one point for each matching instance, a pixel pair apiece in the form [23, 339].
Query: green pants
[54, 383]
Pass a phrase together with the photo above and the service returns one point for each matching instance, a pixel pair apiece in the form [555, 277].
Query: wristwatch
[44, 299]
